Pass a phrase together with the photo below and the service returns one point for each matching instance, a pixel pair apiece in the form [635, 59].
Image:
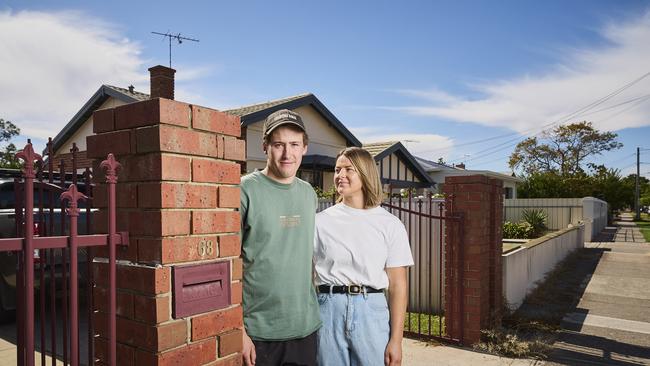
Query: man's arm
[248, 351]
[397, 299]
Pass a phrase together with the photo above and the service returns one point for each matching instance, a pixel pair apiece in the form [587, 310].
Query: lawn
[644, 226]
[424, 321]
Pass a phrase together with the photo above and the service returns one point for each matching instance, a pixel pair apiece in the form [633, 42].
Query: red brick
[214, 121]
[235, 293]
[467, 179]
[154, 167]
[125, 354]
[144, 279]
[234, 149]
[124, 302]
[103, 120]
[229, 197]
[99, 146]
[152, 112]
[177, 140]
[176, 249]
[230, 342]
[176, 195]
[159, 223]
[237, 268]
[209, 222]
[149, 337]
[216, 322]
[125, 195]
[213, 171]
[233, 360]
[151, 310]
[198, 353]
[229, 246]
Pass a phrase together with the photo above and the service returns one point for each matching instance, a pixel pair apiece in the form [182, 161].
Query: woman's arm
[397, 299]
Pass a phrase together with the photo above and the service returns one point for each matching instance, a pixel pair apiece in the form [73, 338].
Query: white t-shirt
[355, 246]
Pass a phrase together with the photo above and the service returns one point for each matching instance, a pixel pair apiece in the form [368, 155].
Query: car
[48, 194]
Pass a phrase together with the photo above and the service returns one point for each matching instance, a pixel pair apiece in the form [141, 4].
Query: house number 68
[206, 248]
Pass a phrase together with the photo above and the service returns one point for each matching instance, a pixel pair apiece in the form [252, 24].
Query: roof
[379, 150]
[256, 112]
[376, 148]
[431, 167]
[101, 95]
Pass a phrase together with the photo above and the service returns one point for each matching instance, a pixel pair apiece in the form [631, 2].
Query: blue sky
[437, 75]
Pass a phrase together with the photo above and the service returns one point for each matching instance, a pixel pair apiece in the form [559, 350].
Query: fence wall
[562, 212]
[426, 236]
[524, 267]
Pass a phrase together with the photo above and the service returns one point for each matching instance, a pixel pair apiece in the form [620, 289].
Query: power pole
[637, 210]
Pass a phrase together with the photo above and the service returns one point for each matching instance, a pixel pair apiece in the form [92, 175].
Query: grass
[644, 226]
[411, 324]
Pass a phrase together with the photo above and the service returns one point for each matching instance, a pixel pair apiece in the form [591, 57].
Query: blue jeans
[355, 329]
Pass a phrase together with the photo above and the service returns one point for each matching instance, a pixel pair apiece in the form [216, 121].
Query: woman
[360, 250]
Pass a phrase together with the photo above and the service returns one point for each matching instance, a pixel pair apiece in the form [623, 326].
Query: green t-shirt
[277, 244]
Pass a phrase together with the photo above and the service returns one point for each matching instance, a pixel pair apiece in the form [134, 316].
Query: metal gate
[48, 253]
[430, 225]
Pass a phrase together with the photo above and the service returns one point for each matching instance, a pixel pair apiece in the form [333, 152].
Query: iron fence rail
[40, 252]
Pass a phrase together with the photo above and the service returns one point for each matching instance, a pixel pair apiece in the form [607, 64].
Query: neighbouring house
[398, 168]
[438, 172]
[327, 136]
[81, 125]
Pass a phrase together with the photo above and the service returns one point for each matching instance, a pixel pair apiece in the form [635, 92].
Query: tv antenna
[178, 38]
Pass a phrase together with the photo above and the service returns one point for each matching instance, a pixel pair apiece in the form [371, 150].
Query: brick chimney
[162, 82]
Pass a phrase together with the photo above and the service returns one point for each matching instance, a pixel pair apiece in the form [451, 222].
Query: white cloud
[52, 63]
[428, 146]
[580, 78]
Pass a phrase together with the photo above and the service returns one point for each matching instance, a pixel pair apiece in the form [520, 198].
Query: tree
[564, 151]
[8, 130]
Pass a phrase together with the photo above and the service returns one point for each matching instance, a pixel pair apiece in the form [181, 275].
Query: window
[509, 192]
[313, 177]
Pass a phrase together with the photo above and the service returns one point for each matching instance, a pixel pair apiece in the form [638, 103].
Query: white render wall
[524, 267]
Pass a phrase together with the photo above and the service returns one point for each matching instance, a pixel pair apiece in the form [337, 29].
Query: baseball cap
[282, 117]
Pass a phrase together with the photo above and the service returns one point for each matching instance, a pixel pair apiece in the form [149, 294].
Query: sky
[460, 80]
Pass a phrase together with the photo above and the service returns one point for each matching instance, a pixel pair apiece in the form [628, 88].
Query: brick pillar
[161, 82]
[473, 288]
[178, 196]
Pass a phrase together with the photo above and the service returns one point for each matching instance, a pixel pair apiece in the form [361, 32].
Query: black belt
[352, 289]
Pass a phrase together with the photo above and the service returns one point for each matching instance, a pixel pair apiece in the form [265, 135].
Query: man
[281, 313]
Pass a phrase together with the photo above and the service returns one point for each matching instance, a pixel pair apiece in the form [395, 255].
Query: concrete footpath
[416, 353]
[611, 323]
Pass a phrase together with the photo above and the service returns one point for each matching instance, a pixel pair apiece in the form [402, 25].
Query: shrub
[537, 219]
[513, 230]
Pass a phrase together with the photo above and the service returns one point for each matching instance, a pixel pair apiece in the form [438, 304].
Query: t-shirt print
[289, 221]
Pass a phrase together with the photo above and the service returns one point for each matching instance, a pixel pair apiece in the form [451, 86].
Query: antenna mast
[178, 38]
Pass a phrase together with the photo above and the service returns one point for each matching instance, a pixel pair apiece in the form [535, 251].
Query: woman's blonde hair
[365, 166]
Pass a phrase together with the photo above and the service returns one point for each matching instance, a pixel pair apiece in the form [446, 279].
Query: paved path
[611, 323]
[417, 353]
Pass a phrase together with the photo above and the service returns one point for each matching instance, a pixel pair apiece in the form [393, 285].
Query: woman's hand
[393, 354]
[248, 350]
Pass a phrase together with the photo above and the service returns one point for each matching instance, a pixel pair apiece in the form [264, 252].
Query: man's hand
[248, 350]
[393, 354]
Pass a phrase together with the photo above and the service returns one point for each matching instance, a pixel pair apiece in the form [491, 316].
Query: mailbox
[201, 288]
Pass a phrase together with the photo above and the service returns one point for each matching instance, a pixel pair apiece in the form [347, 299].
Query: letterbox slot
[200, 288]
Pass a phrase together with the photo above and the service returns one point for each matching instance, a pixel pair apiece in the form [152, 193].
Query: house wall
[323, 140]
[86, 129]
[392, 167]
